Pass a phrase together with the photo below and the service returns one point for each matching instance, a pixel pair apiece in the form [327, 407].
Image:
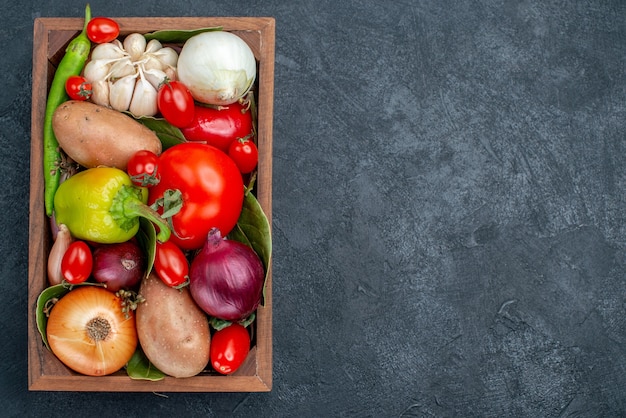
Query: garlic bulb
[126, 75]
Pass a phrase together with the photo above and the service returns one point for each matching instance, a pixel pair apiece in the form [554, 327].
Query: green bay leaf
[168, 134]
[140, 368]
[253, 229]
[178, 36]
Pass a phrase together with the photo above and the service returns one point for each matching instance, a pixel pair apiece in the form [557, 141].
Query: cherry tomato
[229, 348]
[77, 262]
[170, 264]
[175, 103]
[245, 154]
[219, 126]
[142, 168]
[78, 88]
[211, 187]
[102, 29]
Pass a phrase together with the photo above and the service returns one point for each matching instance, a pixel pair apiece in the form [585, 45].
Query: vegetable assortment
[161, 249]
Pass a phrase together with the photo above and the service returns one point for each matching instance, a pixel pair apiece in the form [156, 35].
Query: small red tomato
[229, 348]
[143, 168]
[245, 154]
[78, 88]
[171, 265]
[77, 262]
[175, 103]
[102, 29]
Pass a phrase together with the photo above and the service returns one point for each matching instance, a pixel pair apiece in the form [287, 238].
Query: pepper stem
[87, 17]
[132, 207]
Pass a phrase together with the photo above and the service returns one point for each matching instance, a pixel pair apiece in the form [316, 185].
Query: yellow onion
[89, 333]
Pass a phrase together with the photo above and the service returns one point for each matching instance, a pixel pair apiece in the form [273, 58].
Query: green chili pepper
[102, 205]
[72, 63]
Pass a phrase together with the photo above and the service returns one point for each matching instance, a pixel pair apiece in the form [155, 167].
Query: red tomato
[176, 103]
[78, 88]
[245, 154]
[229, 348]
[142, 168]
[77, 262]
[102, 29]
[219, 127]
[211, 187]
[170, 264]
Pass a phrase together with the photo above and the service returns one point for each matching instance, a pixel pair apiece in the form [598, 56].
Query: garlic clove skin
[168, 56]
[135, 45]
[155, 77]
[153, 46]
[60, 246]
[171, 73]
[120, 45]
[97, 69]
[107, 51]
[121, 92]
[122, 68]
[152, 62]
[144, 101]
[100, 92]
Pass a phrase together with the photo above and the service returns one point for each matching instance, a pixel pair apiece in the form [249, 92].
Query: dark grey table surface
[449, 210]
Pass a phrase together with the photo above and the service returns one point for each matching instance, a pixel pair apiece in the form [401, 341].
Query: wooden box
[45, 372]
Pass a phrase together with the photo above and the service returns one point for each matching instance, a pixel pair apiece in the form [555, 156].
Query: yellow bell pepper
[102, 205]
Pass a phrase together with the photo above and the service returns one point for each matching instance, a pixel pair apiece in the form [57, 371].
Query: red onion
[120, 266]
[226, 278]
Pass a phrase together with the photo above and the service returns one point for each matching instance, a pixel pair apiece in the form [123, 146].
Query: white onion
[218, 67]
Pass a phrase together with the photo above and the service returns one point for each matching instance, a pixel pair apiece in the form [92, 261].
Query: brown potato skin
[173, 332]
[94, 135]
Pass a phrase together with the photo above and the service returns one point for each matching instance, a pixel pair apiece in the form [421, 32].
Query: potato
[173, 332]
[94, 135]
